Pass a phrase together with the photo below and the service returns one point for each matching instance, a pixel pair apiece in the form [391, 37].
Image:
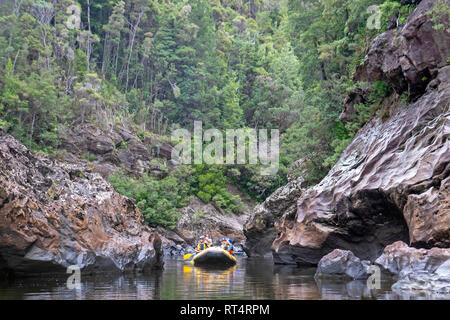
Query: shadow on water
[251, 278]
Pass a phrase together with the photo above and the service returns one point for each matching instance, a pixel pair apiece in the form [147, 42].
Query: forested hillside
[159, 65]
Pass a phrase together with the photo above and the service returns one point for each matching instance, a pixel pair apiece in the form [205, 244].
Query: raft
[214, 257]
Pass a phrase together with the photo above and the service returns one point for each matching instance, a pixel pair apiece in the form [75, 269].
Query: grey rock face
[420, 272]
[261, 227]
[435, 283]
[53, 215]
[399, 259]
[111, 149]
[342, 263]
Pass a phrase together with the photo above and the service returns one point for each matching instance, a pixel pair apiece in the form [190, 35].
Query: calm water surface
[252, 278]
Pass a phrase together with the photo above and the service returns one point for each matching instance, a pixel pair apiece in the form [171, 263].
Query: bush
[209, 184]
[157, 199]
[205, 197]
[160, 199]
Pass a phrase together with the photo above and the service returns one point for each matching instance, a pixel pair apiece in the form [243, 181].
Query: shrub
[157, 199]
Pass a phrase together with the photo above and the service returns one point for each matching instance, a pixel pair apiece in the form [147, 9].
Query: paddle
[187, 256]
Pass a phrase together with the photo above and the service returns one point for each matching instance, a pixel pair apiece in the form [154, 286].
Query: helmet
[202, 237]
[223, 239]
[229, 240]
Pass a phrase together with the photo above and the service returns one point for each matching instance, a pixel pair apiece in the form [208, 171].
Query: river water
[251, 278]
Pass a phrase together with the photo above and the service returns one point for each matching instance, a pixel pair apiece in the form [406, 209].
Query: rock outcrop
[392, 182]
[431, 284]
[110, 149]
[418, 271]
[53, 215]
[342, 263]
[410, 57]
[261, 227]
[173, 244]
[399, 259]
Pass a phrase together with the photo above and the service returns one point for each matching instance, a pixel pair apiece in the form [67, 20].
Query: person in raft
[202, 245]
[226, 245]
[231, 246]
[208, 240]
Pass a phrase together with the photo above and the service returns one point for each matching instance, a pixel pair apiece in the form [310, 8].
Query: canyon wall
[392, 182]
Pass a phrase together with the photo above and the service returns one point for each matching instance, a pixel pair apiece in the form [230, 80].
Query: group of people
[205, 242]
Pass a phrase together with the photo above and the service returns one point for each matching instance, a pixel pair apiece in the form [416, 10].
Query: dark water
[250, 279]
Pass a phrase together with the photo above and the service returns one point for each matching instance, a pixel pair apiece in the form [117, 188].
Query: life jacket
[202, 246]
[226, 246]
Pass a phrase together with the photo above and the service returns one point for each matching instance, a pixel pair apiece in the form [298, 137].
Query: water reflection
[332, 289]
[255, 278]
[209, 281]
[104, 286]
[295, 283]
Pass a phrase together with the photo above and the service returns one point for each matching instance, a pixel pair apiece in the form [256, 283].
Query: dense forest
[160, 65]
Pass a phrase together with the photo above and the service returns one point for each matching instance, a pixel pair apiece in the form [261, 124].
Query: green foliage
[440, 14]
[160, 199]
[157, 199]
[209, 183]
[204, 196]
[4, 125]
[80, 64]
[229, 202]
[123, 145]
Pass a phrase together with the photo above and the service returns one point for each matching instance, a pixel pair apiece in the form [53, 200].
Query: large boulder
[173, 244]
[429, 284]
[399, 259]
[342, 263]
[54, 215]
[419, 272]
[392, 182]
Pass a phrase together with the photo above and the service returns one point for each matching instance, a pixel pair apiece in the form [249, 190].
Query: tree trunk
[105, 52]
[116, 58]
[322, 72]
[133, 36]
[32, 127]
[88, 49]
[15, 60]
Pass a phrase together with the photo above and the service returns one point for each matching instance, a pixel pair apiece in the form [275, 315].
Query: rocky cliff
[110, 149]
[53, 215]
[392, 182]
